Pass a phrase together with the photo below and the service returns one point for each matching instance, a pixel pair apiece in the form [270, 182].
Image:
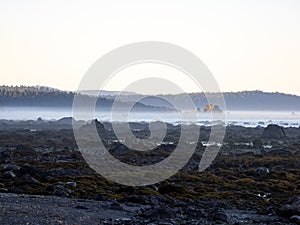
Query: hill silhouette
[37, 96]
[245, 100]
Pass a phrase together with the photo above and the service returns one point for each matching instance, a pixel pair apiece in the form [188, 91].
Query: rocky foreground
[45, 180]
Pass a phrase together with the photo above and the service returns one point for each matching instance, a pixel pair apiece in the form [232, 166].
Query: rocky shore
[45, 180]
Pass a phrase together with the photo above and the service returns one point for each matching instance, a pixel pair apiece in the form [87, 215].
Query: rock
[291, 208]
[161, 213]
[119, 150]
[65, 121]
[212, 108]
[115, 206]
[258, 143]
[60, 190]
[3, 190]
[262, 170]
[95, 123]
[16, 190]
[125, 220]
[71, 184]
[10, 167]
[28, 169]
[219, 215]
[81, 207]
[149, 199]
[273, 131]
[295, 219]
[6, 156]
[9, 174]
[26, 179]
[166, 147]
[60, 193]
[24, 148]
[100, 197]
[166, 223]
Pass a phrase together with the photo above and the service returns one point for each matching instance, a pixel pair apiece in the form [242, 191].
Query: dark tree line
[40, 96]
[245, 100]
[37, 96]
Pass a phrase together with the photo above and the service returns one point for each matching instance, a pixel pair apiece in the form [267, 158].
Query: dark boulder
[81, 207]
[9, 174]
[26, 179]
[262, 170]
[219, 215]
[161, 213]
[295, 219]
[119, 149]
[71, 184]
[257, 143]
[150, 199]
[273, 131]
[10, 167]
[32, 171]
[115, 206]
[40, 120]
[93, 124]
[2, 188]
[291, 208]
[166, 147]
[60, 190]
[24, 148]
[6, 156]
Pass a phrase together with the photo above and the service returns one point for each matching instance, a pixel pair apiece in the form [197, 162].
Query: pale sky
[247, 44]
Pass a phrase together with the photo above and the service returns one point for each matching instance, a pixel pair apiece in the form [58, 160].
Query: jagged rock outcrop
[212, 108]
[65, 121]
[94, 123]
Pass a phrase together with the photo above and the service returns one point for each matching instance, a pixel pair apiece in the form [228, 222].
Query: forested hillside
[37, 96]
[245, 100]
[49, 97]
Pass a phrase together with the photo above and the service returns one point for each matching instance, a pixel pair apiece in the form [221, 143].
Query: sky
[246, 44]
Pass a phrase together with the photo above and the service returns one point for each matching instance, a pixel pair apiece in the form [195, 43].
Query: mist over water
[241, 118]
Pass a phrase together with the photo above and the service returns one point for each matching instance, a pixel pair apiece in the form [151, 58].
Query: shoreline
[245, 184]
[66, 121]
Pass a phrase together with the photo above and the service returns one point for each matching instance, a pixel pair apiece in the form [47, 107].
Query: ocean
[242, 118]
